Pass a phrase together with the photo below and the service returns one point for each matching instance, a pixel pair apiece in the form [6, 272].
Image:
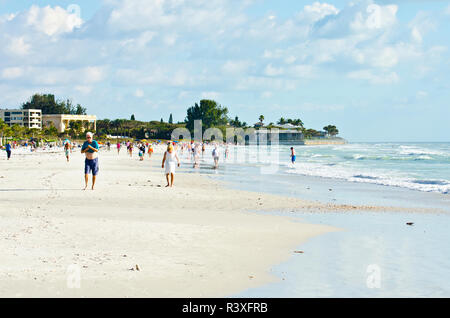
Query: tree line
[49, 105]
[210, 112]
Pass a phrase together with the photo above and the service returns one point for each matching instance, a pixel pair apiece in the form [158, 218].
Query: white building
[30, 118]
[62, 121]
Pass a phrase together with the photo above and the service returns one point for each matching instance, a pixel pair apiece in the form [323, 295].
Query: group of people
[90, 149]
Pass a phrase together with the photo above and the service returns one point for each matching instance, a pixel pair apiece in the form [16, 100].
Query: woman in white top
[169, 162]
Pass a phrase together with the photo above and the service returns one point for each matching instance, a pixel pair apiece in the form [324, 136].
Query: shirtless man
[90, 149]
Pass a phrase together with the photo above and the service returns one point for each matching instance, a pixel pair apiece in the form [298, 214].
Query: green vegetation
[210, 112]
[237, 123]
[331, 130]
[49, 105]
[295, 122]
[135, 129]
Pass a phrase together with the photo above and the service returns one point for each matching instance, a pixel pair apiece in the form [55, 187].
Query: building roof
[288, 126]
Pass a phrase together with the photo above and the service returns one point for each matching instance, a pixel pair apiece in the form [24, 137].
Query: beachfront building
[62, 121]
[273, 136]
[29, 118]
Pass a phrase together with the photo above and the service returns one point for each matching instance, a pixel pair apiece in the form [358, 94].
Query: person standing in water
[169, 163]
[215, 154]
[90, 149]
[293, 156]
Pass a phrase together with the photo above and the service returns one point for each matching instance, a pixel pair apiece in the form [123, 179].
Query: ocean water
[417, 166]
[375, 254]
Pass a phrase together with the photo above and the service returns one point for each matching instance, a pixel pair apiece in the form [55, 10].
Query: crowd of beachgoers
[173, 150]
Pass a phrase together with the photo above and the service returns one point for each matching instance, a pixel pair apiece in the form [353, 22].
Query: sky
[378, 70]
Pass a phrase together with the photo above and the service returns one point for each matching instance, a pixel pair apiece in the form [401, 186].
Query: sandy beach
[197, 239]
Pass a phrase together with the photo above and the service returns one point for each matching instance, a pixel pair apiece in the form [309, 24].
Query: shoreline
[202, 238]
[198, 239]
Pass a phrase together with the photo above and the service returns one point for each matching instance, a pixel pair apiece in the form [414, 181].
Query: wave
[416, 151]
[386, 178]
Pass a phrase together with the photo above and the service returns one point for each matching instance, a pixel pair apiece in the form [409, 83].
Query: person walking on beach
[150, 150]
[118, 147]
[215, 154]
[293, 156]
[196, 155]
[67, 149]
[90, 149]
[169, 163]
[8, 150]
[141, 152]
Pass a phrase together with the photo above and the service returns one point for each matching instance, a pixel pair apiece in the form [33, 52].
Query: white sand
[197, 239]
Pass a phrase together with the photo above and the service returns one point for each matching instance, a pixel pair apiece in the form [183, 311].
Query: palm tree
[331, 130]
[261, 119]
[282, 121]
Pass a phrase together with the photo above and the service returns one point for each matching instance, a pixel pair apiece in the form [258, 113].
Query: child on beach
[150, 150]
[293, 156]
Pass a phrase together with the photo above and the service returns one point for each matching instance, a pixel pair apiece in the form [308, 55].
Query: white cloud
[386, 58]
[170, 39]
[302, 71]
[52, 21]
[317, 11]
[210, 95]
[264, 83]
[266, 94]
[203, 47]
[18, 46]
[375, 17]
[12, 72]
[83, 89]
[139, 93]
[273, 71]
[370, 76]
[290, 59]
[422, 24]
[235, 67]
[421, 94]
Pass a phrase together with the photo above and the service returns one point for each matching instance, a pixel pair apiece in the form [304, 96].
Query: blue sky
[378, 70]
